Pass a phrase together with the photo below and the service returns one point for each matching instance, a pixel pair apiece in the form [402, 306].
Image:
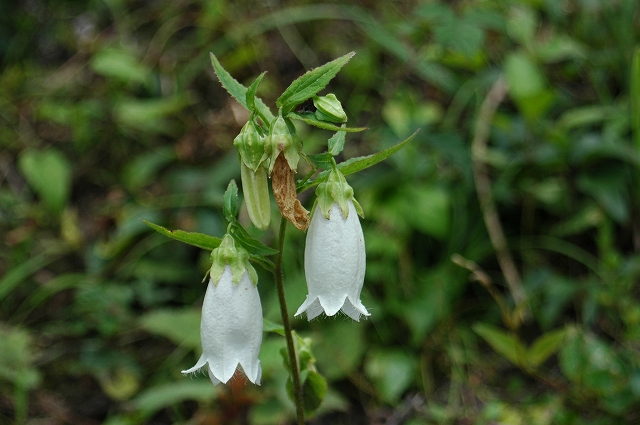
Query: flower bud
[256, 195]
[329, 108]
[231, 326]
[282, 139]
[250, 144]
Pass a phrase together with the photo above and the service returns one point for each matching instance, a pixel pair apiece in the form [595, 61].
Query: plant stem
[288, 332]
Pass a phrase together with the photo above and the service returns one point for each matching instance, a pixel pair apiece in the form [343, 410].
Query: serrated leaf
[310, 83]
[251, 92]
[543, 347]
[252, 245]
[192, 238]
[311, 119]
[237, 90]
[322, 160]
[336, 142]
[509, 346]
[230, 205]
[360, 163]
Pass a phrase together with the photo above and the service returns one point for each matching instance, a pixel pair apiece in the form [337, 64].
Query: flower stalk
[288, 331]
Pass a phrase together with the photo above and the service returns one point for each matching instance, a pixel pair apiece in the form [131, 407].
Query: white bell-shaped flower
[334, 256]
[231, 326]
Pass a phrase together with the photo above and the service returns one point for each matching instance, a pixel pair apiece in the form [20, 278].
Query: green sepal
[329, 108]
[283, 138]
[334, 190]
[237, 258]
[250, 143]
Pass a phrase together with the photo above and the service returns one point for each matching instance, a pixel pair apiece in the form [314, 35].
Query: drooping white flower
[334, 256]
[231, 326]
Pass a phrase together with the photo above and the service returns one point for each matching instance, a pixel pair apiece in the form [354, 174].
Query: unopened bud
[282, 139]
[256, 195]
[329, 108]
[250, 144]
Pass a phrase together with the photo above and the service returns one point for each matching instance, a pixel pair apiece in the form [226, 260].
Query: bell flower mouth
[314, 306]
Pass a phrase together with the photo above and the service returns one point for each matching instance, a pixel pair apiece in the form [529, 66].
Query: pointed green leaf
[543, 347]
[311, 119]
[336, 142]
[360, 163]
[237, 90]
[251, 92]
[230, 206]
[196, 239]
[509, 346]
[252, 245]
[310, 83]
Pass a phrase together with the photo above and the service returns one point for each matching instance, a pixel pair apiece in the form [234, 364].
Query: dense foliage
[530, 128]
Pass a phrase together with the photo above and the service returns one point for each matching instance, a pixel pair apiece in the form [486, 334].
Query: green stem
[288, 332]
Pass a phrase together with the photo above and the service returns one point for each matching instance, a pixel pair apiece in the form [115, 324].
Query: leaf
[360, 163]
[336, 142]
[314, 390]
[192, 238]
[322, 160]
[543, 347]
[269, 326]
[509, 346]
[250, 244]
[230, 205]
[392, 372]
[635, 95]
[181, 326]
[310, 83]
[237, 90]
[171, 394]
[311, 119]
[251, 92]
[48, 172]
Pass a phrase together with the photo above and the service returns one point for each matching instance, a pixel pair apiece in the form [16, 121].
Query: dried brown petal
[284, 190]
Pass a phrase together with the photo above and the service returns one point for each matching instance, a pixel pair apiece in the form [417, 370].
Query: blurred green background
[110, 112]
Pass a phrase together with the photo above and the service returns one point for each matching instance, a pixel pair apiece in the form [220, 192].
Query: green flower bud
[336, 190]
[329, 108]
[256, 195]
[237, 258]
[283, 139]
[250, 144]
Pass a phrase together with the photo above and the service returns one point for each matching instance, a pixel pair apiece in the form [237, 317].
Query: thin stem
[483, 188]
[288, 332]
